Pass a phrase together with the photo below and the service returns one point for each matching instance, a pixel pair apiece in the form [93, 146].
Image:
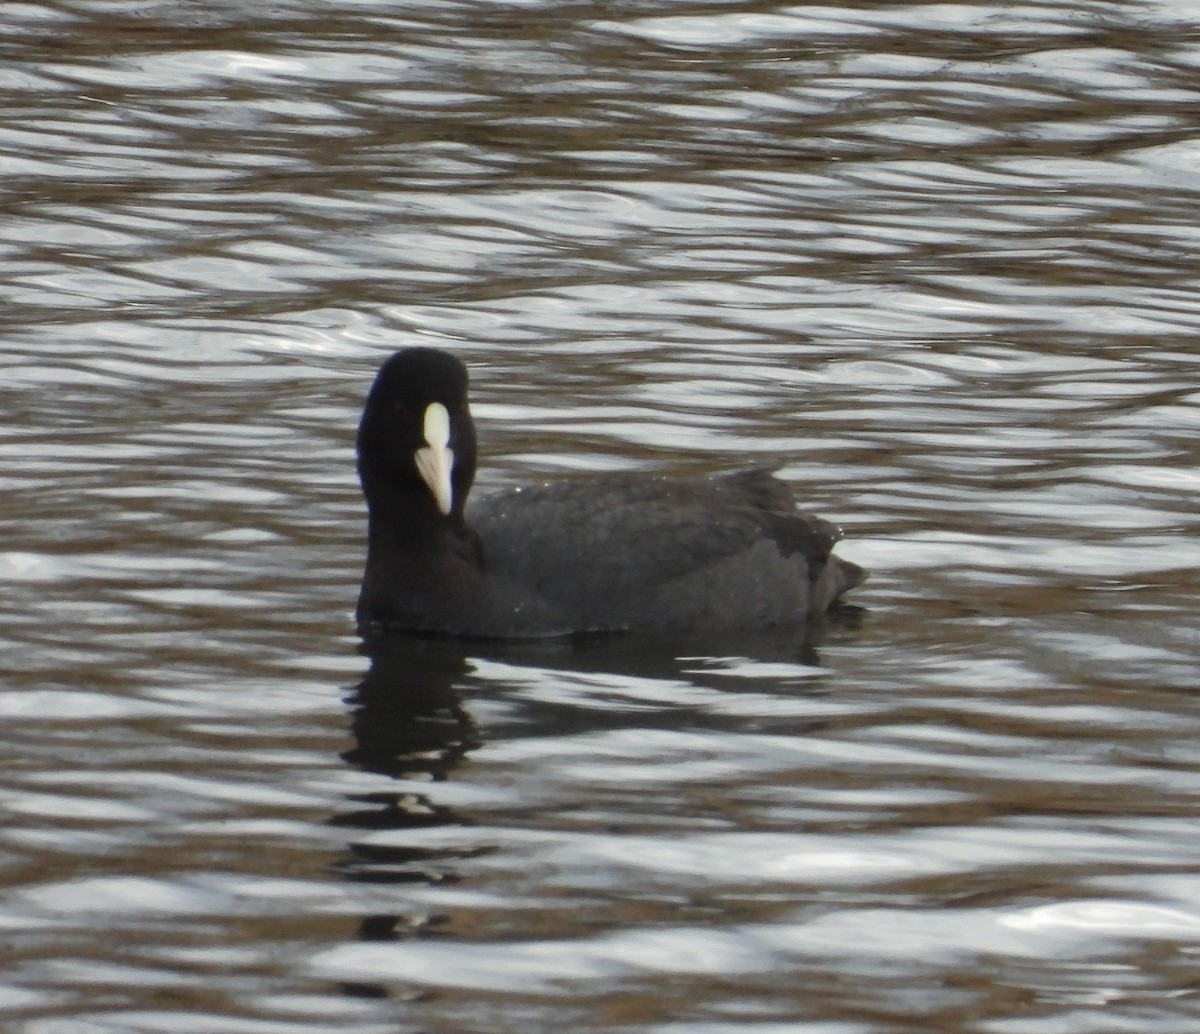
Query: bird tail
[837, 577]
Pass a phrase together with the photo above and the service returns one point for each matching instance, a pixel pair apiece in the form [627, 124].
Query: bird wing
[617, 534]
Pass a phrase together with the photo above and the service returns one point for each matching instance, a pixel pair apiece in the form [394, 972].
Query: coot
[609, 553]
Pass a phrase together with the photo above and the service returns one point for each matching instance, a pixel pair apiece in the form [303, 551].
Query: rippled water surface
[937, 262]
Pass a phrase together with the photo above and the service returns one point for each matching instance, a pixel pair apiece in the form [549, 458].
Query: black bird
[610, 553]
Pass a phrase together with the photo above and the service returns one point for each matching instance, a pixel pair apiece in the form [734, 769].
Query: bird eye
[402, 413]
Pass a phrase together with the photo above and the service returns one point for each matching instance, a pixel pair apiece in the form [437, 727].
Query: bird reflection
[409, 723]
[408, 718]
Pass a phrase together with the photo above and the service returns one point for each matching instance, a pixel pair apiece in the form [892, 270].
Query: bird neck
[405, 511]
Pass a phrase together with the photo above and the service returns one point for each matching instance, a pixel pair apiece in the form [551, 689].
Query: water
[935, 261]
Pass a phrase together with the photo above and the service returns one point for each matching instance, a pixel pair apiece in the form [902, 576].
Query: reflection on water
[934, 261]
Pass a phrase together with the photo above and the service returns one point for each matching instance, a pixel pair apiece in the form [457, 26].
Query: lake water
[937, 262]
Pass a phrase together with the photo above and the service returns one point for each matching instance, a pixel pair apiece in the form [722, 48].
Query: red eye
[402, 413]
